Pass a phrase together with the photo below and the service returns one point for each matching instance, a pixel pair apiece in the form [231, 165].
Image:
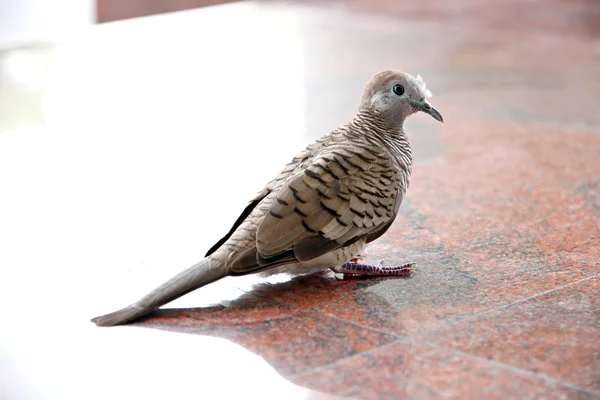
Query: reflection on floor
[107, 153]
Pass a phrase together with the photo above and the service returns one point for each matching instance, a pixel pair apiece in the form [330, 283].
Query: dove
[335, 197]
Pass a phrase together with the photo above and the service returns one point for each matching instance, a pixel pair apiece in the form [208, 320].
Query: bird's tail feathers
[196, 276]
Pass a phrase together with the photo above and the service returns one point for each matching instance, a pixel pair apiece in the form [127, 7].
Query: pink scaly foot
[354, 269]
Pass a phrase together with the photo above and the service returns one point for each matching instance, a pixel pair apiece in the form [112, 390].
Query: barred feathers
[340, 193]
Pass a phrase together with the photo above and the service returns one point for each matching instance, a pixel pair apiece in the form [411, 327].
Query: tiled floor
[106, 148]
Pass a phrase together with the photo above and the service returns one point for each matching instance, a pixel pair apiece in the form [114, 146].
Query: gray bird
[340, 193]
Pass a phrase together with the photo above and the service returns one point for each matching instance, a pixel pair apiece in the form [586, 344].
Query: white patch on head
[423, 85]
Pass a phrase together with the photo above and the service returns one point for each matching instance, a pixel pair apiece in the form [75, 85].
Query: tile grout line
[345, 359]
[475, 316]
[511, 368]
[514, 369]
[398, 338]
[408, 339]
[361, 325]
[466, 319]
[331, 316]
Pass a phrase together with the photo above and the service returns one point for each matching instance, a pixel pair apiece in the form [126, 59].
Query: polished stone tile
[502, 204]
[350, 299]
[555, 334]
[469, 259]
[290, 339]
[418, 371]
[108, 147]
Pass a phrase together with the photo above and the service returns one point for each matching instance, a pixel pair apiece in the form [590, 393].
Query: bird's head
[396, 95]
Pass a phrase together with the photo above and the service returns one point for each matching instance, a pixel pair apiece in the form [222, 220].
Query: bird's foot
[353, 269]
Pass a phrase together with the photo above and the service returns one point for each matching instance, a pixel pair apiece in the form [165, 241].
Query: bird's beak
[423, 105]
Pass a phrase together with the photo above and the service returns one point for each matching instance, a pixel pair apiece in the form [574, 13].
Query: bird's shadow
[297, 325]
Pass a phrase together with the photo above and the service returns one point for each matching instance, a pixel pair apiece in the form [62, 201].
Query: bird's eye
[398, 90]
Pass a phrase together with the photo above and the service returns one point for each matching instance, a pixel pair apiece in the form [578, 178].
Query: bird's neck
[373, 127]
[374, 119]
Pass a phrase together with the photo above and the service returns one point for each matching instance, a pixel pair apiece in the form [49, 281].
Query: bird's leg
[353, 268]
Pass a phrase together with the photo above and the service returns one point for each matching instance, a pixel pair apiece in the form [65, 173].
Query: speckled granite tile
[503, 203]
[418, 371]
[496, 216]
[556, 334]
[290, 339]
[475, 249]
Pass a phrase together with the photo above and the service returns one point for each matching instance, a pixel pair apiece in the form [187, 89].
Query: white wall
[24, 22]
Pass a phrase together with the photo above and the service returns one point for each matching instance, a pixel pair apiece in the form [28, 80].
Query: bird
[320, 212]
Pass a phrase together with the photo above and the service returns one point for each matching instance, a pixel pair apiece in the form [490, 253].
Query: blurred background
[33, 21]
[132, 133]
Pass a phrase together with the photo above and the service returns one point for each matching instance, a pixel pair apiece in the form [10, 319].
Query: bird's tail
[196, 276]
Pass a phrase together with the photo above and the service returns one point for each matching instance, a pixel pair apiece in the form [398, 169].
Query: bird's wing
[289, 169]
[247, 211]
[349, 192]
